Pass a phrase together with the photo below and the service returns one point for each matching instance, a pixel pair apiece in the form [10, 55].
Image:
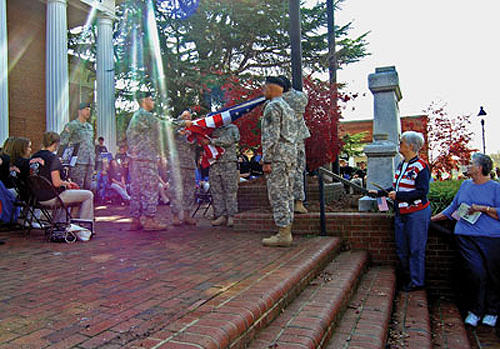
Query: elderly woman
[412, 210]
[479, 242]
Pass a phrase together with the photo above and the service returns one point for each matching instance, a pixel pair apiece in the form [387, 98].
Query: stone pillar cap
[385, 79]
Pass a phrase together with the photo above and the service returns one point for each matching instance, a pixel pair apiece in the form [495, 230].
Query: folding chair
[37, 185]
[202, 197]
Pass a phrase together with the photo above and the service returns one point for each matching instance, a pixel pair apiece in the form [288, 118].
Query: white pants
[74, 196]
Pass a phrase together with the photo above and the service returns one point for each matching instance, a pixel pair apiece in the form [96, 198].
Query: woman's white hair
[414, 139]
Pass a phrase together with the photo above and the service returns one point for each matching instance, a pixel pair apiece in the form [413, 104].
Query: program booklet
[462, 213]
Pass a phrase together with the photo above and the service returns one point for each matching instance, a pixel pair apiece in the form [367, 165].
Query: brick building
[38, 89]
[414, 123]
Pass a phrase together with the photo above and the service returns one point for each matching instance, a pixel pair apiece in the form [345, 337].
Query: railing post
[321, 204]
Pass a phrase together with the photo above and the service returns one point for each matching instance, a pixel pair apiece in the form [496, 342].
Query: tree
[323, 145]
[448, 139]
[353, 144]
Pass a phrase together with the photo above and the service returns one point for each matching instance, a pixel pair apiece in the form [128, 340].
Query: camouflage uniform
[298, 102]
[143, 134]
[224, 175]
[76, 132]
[279, 134]
[182, 189]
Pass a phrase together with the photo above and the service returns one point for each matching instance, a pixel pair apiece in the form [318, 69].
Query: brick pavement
[123, 285]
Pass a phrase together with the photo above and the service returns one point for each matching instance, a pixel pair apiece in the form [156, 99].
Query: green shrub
[441, 194]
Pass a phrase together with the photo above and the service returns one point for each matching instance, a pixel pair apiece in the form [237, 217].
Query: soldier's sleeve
[303, 99]
[66, 134]
[227, 139]
[270, 132]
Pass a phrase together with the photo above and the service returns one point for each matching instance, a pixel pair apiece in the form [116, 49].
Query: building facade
[36, 94]
[416, 123]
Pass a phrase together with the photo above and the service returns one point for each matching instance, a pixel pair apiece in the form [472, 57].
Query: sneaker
[490, 320]
[471, 319]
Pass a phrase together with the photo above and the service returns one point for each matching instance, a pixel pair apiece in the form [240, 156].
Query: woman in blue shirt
[479, 242]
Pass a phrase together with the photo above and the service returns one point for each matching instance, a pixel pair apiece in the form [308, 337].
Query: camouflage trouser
[298, 173]
[182, 194]
[280, 192]
[143, 188]
[224, 179]
[82, 175]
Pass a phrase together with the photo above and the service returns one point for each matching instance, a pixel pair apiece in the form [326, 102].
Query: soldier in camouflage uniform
[224, 175]
[297, 100]
[79, 131]
[279, 153]
[143, 135]
[183, 183]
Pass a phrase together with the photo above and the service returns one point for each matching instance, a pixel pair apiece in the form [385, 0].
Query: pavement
[121, 285]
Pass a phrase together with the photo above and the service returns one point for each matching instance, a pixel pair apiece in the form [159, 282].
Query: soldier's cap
[275, 80]
[142, 94]
[288, 84]
[84, 105]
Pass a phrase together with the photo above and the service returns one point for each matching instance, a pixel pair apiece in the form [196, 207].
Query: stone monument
[382, 153]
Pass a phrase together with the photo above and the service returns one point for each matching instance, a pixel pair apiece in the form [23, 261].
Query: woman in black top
[19, 157]
[5, 163]
[51, 169]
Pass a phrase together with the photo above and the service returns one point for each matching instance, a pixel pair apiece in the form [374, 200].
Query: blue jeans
[102, 185]
[481, 257]
[411, 239]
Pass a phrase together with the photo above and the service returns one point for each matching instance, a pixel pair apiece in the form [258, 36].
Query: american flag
[203, 128]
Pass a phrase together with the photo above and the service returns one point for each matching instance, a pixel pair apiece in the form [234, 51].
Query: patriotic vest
[405, 180]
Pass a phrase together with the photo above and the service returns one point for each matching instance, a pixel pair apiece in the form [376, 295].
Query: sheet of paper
[462, 213]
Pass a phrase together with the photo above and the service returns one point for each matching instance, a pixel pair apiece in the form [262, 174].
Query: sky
[443, 50]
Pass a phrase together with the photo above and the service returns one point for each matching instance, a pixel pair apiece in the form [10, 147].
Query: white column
[56, 66]
[4, 76]
[106, 118]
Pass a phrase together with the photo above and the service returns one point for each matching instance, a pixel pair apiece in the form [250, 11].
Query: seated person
[346, 171]
[103, 181]
[256, 166]
[99, 149]
[19, 157]
[117, 181]
[360, 172]
[244, 167]
[5, 166]
[51, 169]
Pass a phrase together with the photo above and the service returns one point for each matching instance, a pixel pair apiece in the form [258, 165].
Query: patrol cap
[84, 105]
[275, 80]
[143, 94]
[288, 84]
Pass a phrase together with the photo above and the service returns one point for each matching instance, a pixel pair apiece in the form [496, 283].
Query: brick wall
[373, 232]
[252, 195]
[26, 36]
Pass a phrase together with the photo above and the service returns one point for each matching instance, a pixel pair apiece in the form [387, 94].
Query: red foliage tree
[236, 91]
[323, 145]
[448, 139]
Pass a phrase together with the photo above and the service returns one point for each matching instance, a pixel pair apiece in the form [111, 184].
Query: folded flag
[203, 128]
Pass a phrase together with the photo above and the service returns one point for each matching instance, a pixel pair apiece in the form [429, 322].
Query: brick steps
[308, 321]
[366, 320]
[410, 327]
[448, 329]
[231, 318]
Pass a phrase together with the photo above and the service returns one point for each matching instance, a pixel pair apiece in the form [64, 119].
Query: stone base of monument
[253, 194]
